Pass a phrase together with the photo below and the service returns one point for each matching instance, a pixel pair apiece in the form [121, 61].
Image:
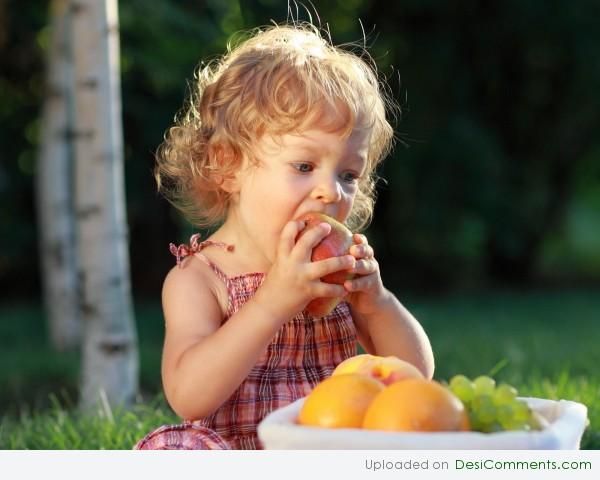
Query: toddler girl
[282, 125]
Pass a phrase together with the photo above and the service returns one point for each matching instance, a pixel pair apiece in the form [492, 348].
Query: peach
[352, 364]
[387, 370]
[336, 243]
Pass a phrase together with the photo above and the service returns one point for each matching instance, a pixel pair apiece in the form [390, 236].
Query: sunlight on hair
[272, 80]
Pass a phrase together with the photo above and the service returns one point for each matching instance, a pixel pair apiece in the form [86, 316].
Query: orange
[340, 401]
[416, 405]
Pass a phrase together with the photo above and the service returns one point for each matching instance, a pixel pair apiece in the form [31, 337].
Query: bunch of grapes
[494, 408]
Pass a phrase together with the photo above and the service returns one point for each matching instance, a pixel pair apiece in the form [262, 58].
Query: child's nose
[328, 190]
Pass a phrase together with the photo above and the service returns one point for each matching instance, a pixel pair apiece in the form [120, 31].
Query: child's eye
[303, 167]
[349, 177]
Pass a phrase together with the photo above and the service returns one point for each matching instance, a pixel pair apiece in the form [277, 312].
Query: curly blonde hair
[282, 79]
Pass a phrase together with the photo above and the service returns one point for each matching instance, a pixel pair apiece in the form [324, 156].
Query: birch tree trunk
[54, 187]
[109, 356]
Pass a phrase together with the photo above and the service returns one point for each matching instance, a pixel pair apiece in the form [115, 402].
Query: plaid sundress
[302, 353]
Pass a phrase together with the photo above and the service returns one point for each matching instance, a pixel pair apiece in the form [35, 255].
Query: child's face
[315, 171]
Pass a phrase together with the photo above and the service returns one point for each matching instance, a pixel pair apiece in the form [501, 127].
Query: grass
[537, 333]
[62, 427]
[38, 371]
[542, 342]
[545, 343]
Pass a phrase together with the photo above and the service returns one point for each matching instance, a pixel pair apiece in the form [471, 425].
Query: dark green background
[487, 227]
[496, 181]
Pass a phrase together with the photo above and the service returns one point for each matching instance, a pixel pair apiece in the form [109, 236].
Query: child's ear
[230, 184]
[222, 155]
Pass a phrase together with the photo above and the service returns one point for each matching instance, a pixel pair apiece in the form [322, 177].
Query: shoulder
[191, 289]
[187, 277]
[191, 311]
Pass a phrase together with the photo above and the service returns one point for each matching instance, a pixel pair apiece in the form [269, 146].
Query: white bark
[109, 357]
[54, 188]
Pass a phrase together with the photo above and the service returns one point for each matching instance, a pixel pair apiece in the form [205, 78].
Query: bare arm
[204, 361]
[384, 326]
[392, 330]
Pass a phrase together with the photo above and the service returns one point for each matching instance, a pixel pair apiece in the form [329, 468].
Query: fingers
[361, 247]
[365, 266]
[288, 236]
[362, 251]
[329, 290]
[361, 283]
[330, 265]
[359, 238]
[311, 239]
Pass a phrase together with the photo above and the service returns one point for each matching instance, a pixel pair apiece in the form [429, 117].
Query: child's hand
[294, 280]
[366, 290]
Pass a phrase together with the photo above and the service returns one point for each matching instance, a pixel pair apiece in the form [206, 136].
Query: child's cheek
[347, 204]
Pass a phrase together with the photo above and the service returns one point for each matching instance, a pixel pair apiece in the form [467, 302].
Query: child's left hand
[366, 290]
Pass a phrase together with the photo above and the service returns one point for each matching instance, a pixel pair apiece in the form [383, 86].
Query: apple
[387, 370]
[336, 243]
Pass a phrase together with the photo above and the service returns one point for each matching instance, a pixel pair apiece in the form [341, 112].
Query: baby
[283, 124]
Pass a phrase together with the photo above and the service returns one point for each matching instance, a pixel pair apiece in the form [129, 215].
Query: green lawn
[545, 343]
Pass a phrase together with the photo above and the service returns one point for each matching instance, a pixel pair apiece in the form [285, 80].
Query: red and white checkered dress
[303, 352]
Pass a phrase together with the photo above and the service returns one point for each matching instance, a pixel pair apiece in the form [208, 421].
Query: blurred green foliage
[497, 175]
[544, 342]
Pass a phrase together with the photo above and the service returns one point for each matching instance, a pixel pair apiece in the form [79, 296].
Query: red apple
[336, 243]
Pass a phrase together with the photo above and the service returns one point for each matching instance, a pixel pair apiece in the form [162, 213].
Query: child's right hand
[294, 280]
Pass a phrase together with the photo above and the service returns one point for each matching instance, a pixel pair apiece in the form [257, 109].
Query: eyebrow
[352, 156]
[359, 160]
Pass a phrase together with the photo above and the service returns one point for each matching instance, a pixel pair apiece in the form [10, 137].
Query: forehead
[321, 142]
[325, 140]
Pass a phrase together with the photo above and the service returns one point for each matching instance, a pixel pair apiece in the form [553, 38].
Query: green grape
[484, 385]
[476, 424]
[515, 424]
[521, 411]
[462, 387]
[505, 414]
[494, 408]
[515, 415]
[506, 418]
[492, 427]
[504, 394]
[484, 408]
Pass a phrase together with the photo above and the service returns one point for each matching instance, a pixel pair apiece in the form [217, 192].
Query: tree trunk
[55, 185]
[109, 357]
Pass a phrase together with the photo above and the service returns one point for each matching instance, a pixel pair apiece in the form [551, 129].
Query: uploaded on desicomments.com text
[375, 465]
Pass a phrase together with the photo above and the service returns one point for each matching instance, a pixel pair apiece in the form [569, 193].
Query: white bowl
[567, 421]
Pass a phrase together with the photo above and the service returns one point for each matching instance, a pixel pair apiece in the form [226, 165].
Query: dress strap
[194, 248]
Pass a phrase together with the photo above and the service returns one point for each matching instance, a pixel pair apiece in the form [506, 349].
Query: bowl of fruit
[384, 403]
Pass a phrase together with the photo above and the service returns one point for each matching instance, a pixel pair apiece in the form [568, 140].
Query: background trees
[498, 180]
[81, 201]
[54, 184]
[495, 182]
[109, 341]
